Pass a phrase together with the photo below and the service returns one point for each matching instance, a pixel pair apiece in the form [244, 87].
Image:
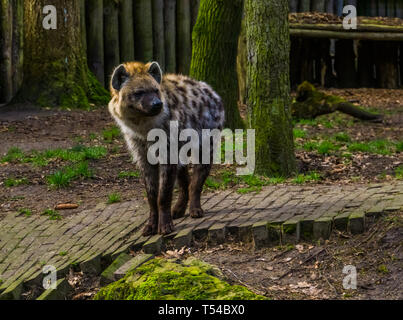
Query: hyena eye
[137, 95]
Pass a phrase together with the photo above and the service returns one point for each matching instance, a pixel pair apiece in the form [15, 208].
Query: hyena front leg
[166, 186]
[151, 181]
[200, 174]
[181, 204]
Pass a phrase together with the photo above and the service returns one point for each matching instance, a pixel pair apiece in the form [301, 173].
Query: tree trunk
[366, 64]
[111, 37]
[18, 40]
[215, 41]
[6, 51]
[241, 62]
[386, 65]
[345, 64]
[318, 5]
[330, 6]
[304, 5]
[339, 7]
[195, 4]
[83, 27]
[143, 30]
[399, 10]
[55, 66]
[95, 37]
[158, 32]
[184, 37]
[268, 85]
[170, 35]
[293, 4]
[382, 8]
[126, 30]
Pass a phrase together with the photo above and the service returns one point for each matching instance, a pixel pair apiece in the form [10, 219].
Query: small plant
[326, 147]
[303, 178]
[110, 134]
[26, 212]
[113, 198]
[383, 147]
[212, 184]
[62, 178]
[62, 253]
[11, 182]
[14, 154]
[299, 133]
[53, 215]
[399, 172]
[383, 269]
[128, 174]
[342, 137]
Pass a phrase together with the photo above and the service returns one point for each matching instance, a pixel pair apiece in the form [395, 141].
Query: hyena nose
[156, 105]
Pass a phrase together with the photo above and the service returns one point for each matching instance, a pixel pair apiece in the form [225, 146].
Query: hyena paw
[196, 212]
[165, 228]
[178, 212]
[149, 230]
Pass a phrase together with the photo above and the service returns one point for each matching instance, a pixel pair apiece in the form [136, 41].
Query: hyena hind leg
[200, 174]
[183, 182]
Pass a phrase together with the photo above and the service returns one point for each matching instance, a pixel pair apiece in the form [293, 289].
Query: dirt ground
[27, 128]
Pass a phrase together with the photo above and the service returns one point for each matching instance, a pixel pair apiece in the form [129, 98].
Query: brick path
[278, 215]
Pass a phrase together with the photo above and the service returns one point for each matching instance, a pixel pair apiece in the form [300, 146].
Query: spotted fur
[137, 89]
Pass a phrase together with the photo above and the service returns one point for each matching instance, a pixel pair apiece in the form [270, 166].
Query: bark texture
[158, 32]
[268, 85]
[111, 37]
[183, 36]
[215, 41]
[170, 35]
[143, 30]
[126, 30]
[6, 38]
[55, 66]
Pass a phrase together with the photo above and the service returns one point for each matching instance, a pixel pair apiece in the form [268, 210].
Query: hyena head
[136, 92]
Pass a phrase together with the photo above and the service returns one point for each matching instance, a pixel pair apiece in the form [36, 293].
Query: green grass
[113, 198]
[128, 174]
[62, 178]
[382, 147]
[399, 172]
[111, 134]
[42, 158]
[63, 253]
[26, 212]
[52, 214]
[342, 137]
[309, 177]
[299, 133]
[12, 182]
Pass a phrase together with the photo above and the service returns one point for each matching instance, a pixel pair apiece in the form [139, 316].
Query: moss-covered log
[6, 39]
[183, 36]
[55, 65]
[311, 103]
[111, 37]
[143, 30]
[268, 85]
[126, 30]
[95, 38]
[158, 32]
[170, 35]
[215, 41]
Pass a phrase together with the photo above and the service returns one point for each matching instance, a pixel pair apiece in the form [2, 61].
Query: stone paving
[276, 215]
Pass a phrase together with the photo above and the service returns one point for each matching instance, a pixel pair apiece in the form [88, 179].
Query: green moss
[161, 279]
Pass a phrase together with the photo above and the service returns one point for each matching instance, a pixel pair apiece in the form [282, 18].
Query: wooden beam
[375, 36]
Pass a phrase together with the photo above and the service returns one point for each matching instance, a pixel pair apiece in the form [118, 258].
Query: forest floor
[52, 157]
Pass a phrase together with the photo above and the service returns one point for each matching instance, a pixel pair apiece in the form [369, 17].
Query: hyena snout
[156, 107]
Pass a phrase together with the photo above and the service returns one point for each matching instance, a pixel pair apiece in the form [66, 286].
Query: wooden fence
[117, 31]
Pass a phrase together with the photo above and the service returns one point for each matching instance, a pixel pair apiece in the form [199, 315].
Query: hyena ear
[155, 71]
[119, 76]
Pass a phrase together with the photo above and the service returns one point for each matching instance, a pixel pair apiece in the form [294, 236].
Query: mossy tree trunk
[268, 85]
[55, 65]
[143, 30]
[111, 37]
[183, 36]
[170, 35]
[158, 32]
[215, 41]
[6, 39]
[18, 41]
[126, 30]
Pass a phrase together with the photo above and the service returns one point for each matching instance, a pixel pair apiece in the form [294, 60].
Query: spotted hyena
[144, 99]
